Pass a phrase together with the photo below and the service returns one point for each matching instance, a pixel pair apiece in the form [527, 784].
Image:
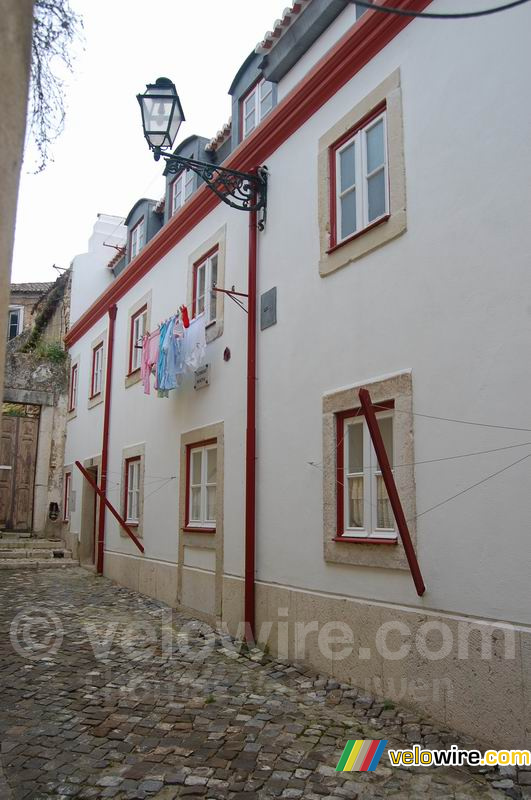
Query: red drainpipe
[250, 439]
[105, 442]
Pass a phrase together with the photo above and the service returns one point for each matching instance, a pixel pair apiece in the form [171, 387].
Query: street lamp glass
[162, 113]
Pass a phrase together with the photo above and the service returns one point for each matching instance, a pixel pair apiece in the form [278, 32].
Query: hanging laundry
[184, 316]
[195, 343]
[150, 357]
[172, 355]
[162, 391]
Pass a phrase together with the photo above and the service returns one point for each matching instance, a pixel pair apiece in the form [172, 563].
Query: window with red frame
[363, 507]
[359, 179]
[72, 394]
[132, 490]
[201, 485]
[136, 238]
[255, 105]
[66, 499]
[96, 381]
[181, 189]
[138, 329]
[204, 296]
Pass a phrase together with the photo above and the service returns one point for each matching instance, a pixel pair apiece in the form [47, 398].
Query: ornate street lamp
[162, 115]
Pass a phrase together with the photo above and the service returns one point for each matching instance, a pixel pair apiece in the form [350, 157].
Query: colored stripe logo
[361, 755]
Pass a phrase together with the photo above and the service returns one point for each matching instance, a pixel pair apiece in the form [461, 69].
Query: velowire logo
[361, 755]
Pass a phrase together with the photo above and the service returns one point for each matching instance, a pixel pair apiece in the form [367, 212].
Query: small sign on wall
[202, 377]
[268, 308]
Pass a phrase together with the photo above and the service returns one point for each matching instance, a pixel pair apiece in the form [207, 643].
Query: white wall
[90, 275]
[447, 300]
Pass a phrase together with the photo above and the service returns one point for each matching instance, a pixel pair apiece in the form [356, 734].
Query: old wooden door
[18, 453]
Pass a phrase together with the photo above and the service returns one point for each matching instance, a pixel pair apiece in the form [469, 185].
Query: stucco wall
[445, 302]
[15, 51]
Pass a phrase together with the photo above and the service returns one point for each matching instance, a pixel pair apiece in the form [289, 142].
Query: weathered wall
[15, 50]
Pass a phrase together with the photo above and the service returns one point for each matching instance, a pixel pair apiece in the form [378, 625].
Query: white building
[397, 241]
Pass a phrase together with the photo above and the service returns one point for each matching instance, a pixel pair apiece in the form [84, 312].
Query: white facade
[445, 302]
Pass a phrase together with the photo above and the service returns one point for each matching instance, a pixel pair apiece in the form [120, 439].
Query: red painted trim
[250, 437]
[189, 448]
[126, 485]
[94, 394]
[364, 540]
[73, 371]
[332, 172]
[66, 492]
[191, 529]
[130, 370]
[105, 443]
[105, 502]
[341, 416]
[367, 37]
[392, 491]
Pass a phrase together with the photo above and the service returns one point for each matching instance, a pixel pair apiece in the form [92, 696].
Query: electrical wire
[450, 419]
[434, 15]
[473, 486]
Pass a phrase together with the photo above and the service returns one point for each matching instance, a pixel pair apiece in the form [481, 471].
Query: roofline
[241, 70]
[138, 202]
[367, 37]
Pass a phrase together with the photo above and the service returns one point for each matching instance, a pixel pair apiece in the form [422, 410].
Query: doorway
[18, 458]
[89, 517]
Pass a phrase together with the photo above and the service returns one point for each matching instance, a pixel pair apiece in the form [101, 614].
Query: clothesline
[176, 347]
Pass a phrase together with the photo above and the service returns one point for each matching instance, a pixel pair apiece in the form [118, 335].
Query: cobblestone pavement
[94, 707]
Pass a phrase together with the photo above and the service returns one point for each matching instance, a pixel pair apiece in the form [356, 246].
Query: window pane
[195, 513]
[189, 184]
[211, 504]
[266, 102]
[355, 502]
[347, 167]
[385, 515]
[212, 465]
[386, 429]
[355, 448]
[196, 467]
[348, 214]
[376, 193]
[375, 147]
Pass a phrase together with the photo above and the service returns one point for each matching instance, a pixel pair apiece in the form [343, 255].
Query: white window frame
[132, 499]
[371, 472]
[138, 330]
[204, 303]
[361, 176]
[74, 379]
[97, 370]
[203, 522]
[184, 182]
[68, 485]
[137, 238]
[20, 320]
[257, 97]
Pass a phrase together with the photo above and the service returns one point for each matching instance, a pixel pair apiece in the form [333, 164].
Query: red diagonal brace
[390, 485]
[110, 506]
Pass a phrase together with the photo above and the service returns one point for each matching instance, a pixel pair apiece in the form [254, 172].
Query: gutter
[250, 437]
[105, 440]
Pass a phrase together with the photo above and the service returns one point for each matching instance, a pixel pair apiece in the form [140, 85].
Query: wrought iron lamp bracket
[245, 191]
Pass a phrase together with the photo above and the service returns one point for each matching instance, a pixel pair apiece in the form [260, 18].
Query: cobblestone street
[107, 711]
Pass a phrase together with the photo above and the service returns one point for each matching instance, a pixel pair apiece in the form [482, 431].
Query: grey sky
[102, 162]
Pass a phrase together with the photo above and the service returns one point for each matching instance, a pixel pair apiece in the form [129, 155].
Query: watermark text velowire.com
[38, 632]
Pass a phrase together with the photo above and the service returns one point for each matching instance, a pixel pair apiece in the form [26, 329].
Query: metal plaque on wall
[202, 377]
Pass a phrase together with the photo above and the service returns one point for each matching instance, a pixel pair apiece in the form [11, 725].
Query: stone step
[37, 544]
[38, 563]
[15, 535]
[36, 552]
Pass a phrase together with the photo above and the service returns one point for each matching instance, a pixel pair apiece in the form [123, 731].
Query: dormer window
[181, 189]
[137, 238]
[255, 106]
